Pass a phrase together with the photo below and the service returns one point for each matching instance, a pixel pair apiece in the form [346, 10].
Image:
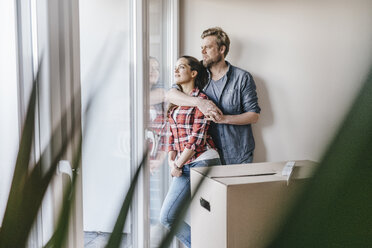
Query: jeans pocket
[200, 163]
[208, 162]
[214, 161]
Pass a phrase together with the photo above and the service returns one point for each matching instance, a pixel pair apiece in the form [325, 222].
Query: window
[102, 45]
[163, 52]
[105, 77]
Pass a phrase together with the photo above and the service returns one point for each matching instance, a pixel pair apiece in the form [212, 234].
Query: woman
[189, 143]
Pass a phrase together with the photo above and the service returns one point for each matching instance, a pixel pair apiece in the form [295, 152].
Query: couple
[232, 109]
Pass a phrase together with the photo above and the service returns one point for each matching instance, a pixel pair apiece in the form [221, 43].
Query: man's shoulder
[239, 71]
[239, 75]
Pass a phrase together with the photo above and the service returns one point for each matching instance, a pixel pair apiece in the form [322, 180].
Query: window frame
[39, 24]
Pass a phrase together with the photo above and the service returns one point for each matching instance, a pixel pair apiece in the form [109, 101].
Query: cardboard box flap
[238, 170]
[256, 172]
[251, 180]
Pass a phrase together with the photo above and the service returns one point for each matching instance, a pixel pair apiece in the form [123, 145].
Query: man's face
[210, 51]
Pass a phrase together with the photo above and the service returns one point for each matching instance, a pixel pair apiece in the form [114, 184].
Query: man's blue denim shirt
[235, 143]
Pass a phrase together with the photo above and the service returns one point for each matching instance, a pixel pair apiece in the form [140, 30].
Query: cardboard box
[242, 205]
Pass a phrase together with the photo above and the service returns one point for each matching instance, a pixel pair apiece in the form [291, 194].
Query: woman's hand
[171, 158]
[175, 171]
[170, 163]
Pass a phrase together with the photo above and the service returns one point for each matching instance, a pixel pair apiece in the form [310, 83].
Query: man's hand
[209, 109]
[221, 119]
[240, 119]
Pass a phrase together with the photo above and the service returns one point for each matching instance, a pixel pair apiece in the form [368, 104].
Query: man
[233, 105]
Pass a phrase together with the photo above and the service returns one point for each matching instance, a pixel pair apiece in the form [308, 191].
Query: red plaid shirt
[189, 129]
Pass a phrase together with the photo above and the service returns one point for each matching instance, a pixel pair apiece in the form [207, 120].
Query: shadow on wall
[267, 116]
[266, 120]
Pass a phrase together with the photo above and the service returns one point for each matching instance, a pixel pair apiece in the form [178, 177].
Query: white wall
[308, 58]
[9, 129]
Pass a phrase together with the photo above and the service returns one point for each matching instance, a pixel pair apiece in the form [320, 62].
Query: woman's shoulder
[202, 95]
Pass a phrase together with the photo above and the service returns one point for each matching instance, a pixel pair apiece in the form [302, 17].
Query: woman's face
[183, 72]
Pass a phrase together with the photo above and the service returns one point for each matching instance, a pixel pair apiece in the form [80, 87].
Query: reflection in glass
[157, 147]
[159, 173]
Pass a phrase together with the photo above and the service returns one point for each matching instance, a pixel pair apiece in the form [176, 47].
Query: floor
[99, 240]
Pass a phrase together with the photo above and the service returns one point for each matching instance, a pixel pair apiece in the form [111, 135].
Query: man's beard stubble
[208, 63]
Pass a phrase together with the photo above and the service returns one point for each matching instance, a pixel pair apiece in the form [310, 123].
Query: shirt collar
[194, 92]
[229, 68]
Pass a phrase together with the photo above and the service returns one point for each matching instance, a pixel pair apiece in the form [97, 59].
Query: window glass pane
[105, 76]
[9, 132]
[158, 64]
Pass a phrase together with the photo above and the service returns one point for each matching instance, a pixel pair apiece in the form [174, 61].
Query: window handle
[64, 167]
[155, 139]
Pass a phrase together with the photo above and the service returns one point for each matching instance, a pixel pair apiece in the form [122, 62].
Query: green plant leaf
[12, 220]
[59, 236]
[37, 184]
[335, 209]
[28, 195]
[117, 233]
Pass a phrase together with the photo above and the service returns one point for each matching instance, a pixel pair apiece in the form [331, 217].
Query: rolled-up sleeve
[249, 97]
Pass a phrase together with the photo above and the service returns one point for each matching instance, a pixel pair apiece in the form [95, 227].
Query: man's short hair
[221, 37]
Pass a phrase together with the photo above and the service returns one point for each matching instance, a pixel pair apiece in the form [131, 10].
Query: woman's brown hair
[201, 78]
